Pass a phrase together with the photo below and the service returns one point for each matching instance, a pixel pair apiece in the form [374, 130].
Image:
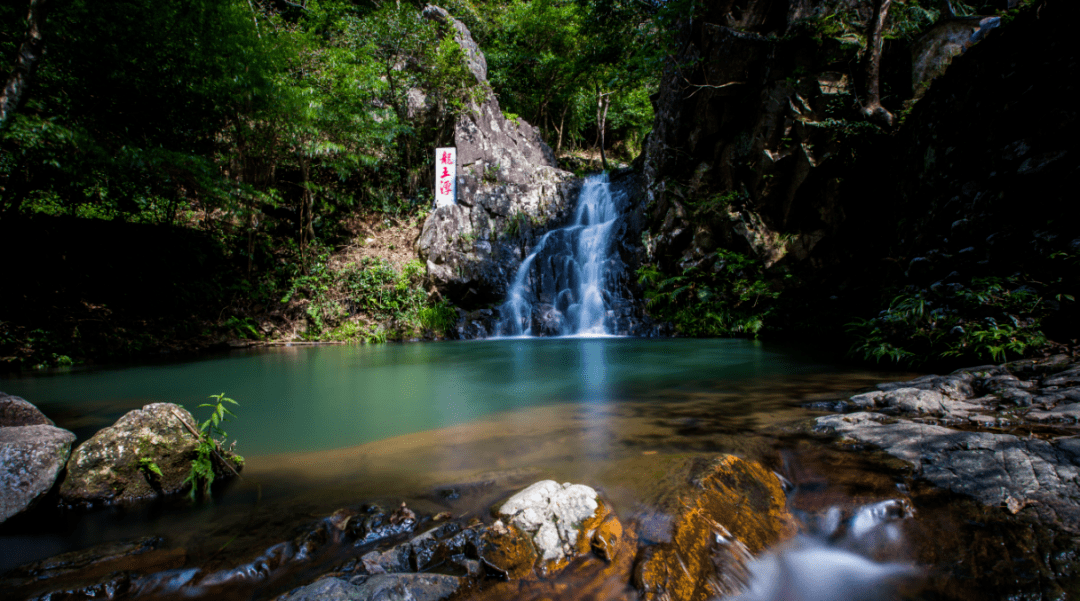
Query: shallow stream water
[453, 427]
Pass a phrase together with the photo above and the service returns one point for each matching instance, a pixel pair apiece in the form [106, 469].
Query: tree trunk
[602, 103]
[14, 91]
[562, 126]
[875, 37]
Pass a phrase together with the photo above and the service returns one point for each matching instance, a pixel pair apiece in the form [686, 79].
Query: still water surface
[320, 398]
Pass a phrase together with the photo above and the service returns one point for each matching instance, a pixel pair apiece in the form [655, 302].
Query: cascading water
[565, 286]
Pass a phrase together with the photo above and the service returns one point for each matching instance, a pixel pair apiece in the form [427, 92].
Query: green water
[318, 398]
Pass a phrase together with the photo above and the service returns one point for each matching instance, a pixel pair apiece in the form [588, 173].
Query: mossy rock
[114, 465]
[730, 509]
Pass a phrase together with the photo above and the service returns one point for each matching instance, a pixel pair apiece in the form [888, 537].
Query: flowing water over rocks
[573, 281]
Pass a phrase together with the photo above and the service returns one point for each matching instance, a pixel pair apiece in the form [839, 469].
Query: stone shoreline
[1005, 435]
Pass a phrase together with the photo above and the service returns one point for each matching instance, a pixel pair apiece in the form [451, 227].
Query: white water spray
[834, 561]
[563, 287]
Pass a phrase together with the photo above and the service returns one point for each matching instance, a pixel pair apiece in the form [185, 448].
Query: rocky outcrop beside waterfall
[972, 432]
[508, 190]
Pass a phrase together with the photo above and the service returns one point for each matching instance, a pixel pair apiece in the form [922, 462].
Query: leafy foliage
[334, 300]
[201, 474]
[726, 294]
[990, 318]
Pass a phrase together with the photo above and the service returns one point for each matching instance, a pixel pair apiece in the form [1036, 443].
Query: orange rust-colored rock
[509, 550]
[605, 541]
[732, 508]
[586, 577]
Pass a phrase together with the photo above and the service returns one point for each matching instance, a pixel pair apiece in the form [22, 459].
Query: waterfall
[565, 287]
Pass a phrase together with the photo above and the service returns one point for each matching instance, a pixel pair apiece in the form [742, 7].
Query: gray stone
[382, 587]
[15, 411]
[507, 187]
[956, 386]
[1068, 413]
[31, 457]
[552, 514]
[990, 467]
[107, 468]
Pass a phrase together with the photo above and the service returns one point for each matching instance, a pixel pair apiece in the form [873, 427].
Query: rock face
[111, 466]
[732, 509]
[916, 421]
[508, 191]
[31, 457]
[15, 411]
[744, 146]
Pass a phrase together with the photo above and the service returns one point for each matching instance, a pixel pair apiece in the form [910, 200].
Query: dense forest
[267, 128]
[177, 176]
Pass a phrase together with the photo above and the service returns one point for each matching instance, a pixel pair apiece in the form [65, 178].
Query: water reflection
[300, 399]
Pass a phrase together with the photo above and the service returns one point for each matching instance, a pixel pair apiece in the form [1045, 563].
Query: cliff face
[508, 191]
[743, 153]
[758, 149]
[984, 171]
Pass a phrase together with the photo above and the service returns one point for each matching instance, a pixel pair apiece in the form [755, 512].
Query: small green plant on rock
[148, 467]
[201, 474]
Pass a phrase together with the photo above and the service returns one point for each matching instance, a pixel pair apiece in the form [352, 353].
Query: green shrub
[725, 294]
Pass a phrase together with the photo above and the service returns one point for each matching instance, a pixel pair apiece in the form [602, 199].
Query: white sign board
[445, 176]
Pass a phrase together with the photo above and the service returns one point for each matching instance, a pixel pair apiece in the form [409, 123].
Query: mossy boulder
[117, 464]
[732, 508]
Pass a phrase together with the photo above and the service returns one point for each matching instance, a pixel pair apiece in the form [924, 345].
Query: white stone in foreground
[552, 513]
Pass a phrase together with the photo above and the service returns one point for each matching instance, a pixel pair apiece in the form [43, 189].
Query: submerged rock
[733, 508]
[31, 458]
[114, 465]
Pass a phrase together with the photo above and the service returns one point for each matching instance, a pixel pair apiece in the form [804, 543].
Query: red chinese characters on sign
[445, 173]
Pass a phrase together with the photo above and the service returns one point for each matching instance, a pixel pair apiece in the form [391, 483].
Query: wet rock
[733, 508]
[989, 466]
[111, 466]
[15, 411]
[384, 587]
[552, 514]
[545, 526]
[31, 458]
[90, 573]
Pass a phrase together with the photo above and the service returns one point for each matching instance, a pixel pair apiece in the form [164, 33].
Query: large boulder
[31, 457]
[730, 510]
[507, 186]
[15, 411]
[114, 465]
